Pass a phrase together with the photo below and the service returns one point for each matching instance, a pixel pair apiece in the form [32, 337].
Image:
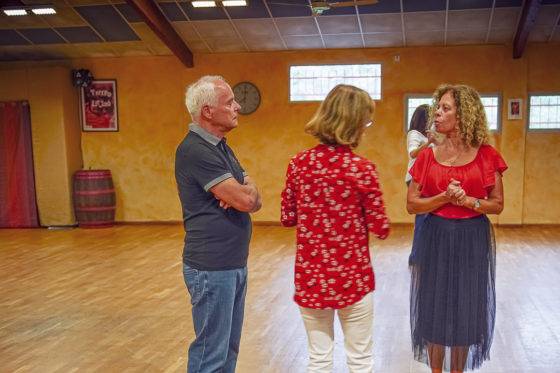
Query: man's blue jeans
[218, 302]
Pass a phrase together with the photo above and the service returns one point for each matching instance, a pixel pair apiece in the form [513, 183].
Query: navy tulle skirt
[452, 294]
[418, 223]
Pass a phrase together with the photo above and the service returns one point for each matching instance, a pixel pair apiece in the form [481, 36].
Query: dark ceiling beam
[7, 3]
[526, 23]
[155, 19]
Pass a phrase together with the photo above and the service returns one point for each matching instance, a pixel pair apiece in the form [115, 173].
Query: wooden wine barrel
[94, 198]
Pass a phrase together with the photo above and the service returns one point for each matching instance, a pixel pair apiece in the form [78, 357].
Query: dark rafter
[155, 19]
[526, 23]
[5, 3]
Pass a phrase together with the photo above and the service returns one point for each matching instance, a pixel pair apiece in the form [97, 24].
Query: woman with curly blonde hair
[457, 182]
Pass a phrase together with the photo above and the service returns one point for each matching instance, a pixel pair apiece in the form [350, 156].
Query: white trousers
[357, 325]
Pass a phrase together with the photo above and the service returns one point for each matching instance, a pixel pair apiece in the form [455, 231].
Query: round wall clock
[248, 96]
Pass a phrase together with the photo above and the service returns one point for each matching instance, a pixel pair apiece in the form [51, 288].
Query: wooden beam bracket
[526, 22]
[155, 19]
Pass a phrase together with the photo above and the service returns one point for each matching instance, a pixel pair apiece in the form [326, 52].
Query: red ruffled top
[477, 178]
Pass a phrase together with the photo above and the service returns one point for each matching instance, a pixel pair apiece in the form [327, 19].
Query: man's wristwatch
[476, 204]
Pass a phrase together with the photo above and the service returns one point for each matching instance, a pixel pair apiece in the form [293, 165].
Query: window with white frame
[491, 105]
[412, 103]
[314, 82]
[544, 112]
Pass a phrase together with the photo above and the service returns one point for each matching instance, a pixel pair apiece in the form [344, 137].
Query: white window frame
[528, 121]
[499, 109]
[405, 106]
[423, 95]
[334, 64]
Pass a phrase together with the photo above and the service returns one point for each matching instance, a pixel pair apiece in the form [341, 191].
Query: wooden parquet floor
[113, 300]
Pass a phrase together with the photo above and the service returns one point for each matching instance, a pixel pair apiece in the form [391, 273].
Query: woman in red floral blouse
[333, 197]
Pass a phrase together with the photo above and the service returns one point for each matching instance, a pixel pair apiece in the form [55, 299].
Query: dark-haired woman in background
[457, 182]
[418, 138]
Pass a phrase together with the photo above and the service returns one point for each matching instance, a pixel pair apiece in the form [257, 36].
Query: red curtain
[18, 206]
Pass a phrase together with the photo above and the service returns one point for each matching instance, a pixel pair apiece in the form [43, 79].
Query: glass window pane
[492, 109]
[544, 112]
[317, 81]
[412, 104]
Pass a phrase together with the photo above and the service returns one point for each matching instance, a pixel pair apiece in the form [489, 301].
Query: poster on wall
[99, 106]
[515, 108]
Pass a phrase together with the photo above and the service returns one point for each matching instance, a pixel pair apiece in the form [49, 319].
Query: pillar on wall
[56, 142]
[55, 132]
[512, 144]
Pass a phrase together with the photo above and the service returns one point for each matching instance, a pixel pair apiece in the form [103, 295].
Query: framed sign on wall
[99, 109]
[515, 106]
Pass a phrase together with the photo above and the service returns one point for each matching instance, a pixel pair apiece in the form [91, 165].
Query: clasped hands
[456, 193]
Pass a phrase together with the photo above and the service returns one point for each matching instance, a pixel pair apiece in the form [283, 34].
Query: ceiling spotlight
[203, 4]
[43, 10]
[15, 12]
[234, 3]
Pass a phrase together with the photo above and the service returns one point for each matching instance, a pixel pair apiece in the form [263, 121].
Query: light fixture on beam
[212, 4]
[234, 3]
[28, 10]
[15, 12]
[43, 10]
[203, 4]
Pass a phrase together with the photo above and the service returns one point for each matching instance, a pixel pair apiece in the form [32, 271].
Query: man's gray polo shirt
[216, 239]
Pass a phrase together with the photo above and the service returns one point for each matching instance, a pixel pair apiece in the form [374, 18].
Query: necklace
[452, 162]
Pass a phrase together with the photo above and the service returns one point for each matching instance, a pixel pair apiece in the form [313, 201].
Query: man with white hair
[216, 197]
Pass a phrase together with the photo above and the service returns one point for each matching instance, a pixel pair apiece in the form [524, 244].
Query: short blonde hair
[341, 117]
[473, 125]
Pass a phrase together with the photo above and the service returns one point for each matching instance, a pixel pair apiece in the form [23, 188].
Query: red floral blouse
[333, 197]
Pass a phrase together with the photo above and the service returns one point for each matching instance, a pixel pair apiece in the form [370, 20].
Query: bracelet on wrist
[476, 204]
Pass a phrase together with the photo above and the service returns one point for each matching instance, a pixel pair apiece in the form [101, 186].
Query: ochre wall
[542, 156]
[55, 134]
[153, 120]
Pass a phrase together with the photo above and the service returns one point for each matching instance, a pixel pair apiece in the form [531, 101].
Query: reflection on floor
[113, 300]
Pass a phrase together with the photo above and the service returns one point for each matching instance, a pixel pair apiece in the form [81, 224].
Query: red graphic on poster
[99, 106]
